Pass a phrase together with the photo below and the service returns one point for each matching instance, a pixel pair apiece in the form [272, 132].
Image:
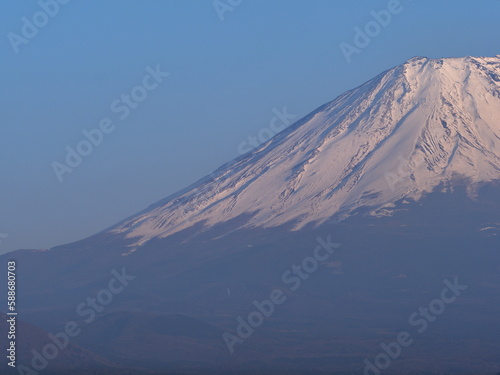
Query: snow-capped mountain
[399, 135]
[374, 151]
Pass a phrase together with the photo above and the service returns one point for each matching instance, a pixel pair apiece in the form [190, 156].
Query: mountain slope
[385, 269]
[30, 338]
[426, 130]
[399, 135]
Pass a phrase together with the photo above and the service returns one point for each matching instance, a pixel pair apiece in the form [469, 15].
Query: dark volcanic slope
[30, 338]
[191, 287]
[403, 172]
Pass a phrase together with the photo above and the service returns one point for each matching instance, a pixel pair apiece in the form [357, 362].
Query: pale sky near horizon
[227, 80]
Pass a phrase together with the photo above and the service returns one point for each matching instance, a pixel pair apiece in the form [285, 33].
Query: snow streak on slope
[440, 116]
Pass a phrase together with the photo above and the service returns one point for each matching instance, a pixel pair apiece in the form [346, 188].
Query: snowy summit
[398, 135]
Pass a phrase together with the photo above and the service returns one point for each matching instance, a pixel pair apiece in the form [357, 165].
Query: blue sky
[227, 80]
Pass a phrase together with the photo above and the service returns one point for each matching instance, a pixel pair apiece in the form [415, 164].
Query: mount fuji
[401, 173]
[401, 134]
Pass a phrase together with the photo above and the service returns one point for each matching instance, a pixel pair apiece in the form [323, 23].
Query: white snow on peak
[399, 135]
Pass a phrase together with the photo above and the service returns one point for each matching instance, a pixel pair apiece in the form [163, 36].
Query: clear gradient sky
[226, 78]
